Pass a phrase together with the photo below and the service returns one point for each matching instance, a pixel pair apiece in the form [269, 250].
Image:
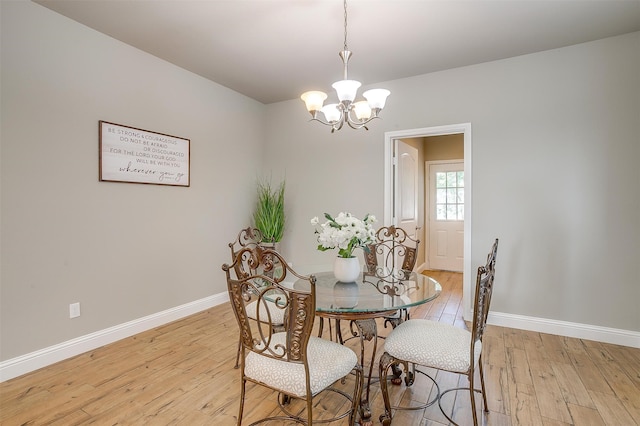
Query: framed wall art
[134, 155]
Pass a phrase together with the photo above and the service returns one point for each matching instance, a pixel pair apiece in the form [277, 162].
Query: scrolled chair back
[484, 291]
[247, 238]
[394, 252]
[258, 283]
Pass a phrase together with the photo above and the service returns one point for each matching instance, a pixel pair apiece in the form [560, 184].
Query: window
[450, 196]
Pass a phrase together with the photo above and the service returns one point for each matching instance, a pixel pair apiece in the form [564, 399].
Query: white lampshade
[376, 97]
[331, 112]
[362, 110]
[314, 100]
[346, 89]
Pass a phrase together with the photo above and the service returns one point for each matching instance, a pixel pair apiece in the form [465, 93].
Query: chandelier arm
[326, 123]
[338, 124]
[358, 124]
[334, 126]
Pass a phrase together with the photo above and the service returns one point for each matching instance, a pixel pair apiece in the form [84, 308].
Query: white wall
[123, 251]
[554, 168]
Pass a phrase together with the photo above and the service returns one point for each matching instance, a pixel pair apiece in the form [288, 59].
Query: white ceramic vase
[346, 269]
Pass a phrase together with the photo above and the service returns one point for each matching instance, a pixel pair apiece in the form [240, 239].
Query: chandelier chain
[345, 25]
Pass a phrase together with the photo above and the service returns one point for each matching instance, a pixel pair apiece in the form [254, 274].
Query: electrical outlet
[74, 310]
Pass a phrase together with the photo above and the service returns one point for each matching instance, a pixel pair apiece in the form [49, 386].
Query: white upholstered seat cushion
[328, 362]
[277, 315]
[432, 344]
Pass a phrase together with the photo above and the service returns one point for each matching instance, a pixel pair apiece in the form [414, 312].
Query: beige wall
[554, 168]
[568, 222]
[124, 251]
[445, 147]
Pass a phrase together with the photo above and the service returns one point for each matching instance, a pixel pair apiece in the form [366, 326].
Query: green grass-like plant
[268, 216]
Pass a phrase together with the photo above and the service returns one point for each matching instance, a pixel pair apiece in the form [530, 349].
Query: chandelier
[354, 114]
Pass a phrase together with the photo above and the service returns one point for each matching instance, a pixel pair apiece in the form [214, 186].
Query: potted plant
[346, 233]
[268, 216]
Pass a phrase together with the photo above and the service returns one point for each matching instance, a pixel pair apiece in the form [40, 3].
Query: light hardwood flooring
[182, 374]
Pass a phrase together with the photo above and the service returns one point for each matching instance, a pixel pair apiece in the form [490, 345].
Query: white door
[406, 190]
[446, 215]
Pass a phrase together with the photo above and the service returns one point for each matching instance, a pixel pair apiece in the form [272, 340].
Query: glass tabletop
[372, 292]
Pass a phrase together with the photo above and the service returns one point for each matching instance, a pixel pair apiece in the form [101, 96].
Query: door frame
[465, 129]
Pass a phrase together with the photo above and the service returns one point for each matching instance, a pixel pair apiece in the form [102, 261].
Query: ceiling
[273, 50]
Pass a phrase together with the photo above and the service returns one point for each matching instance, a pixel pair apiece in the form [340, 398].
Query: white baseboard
[568, 329]
[32, 361]
[562, 328]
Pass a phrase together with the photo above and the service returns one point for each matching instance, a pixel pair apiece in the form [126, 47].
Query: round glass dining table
[372, 295]
[381, 294]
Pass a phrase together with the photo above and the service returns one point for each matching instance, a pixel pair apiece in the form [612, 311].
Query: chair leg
[473, 398]
[238, 354]
[309, 408]
[356, 407]
[339, 338]
[484, 393]
[385, 362]
[338, 333]
[243, 385]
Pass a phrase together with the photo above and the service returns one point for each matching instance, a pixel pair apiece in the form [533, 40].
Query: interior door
[406, 187]
[446, 215]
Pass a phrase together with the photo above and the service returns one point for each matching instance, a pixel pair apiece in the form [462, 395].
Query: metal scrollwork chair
[442, 346]
[391, 259]
[394, 248]
[388, 262]
[291, 362]
[251, 238]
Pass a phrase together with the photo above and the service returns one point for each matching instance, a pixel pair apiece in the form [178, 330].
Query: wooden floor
[182, 374]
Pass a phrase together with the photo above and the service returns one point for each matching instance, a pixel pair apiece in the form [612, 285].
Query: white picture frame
[132, 155]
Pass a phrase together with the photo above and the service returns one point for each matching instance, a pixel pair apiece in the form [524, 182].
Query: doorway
[390, 216]
[444, 214]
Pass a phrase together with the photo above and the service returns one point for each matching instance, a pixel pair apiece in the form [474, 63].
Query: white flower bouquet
[345, 232]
